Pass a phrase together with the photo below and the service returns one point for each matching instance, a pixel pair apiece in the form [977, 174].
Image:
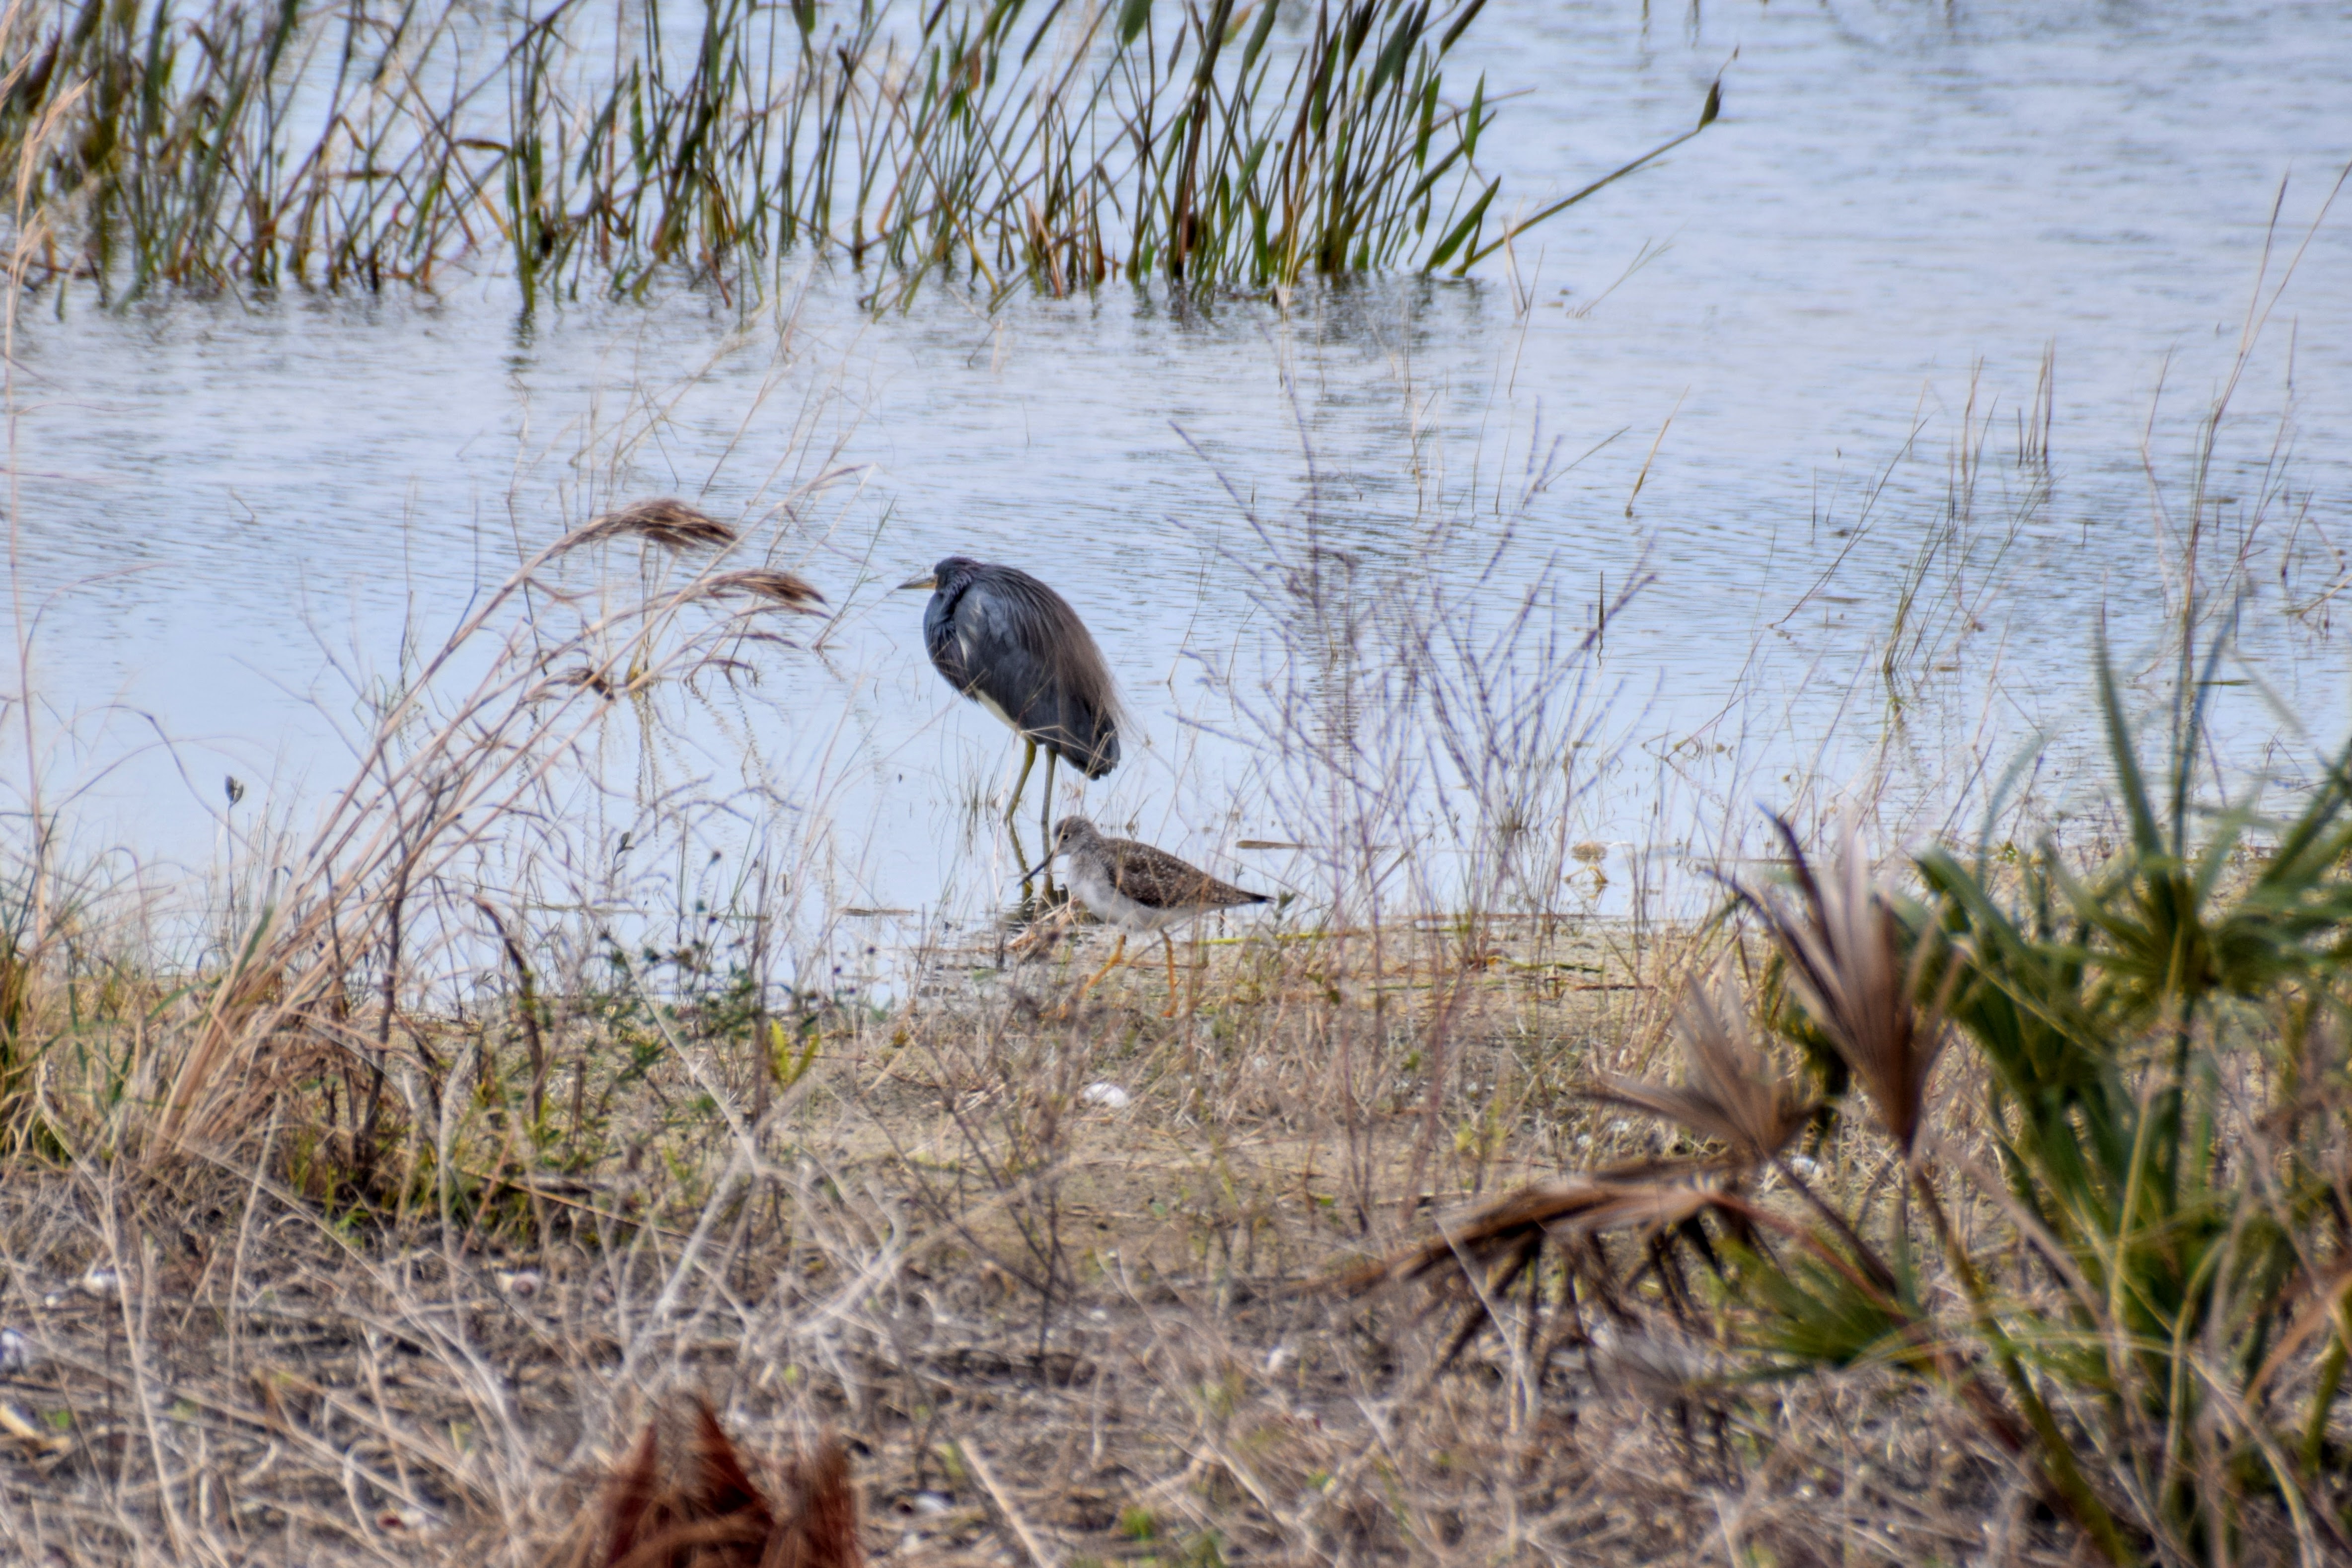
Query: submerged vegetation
[1006, 144]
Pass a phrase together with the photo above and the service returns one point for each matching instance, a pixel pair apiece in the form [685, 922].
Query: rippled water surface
[1766, 364]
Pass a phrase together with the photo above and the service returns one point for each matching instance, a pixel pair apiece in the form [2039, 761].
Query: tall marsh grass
[600, 147]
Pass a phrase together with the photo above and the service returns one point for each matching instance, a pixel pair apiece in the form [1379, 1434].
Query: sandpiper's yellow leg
[1028, 761]
[1169, 944]
[1116, 953]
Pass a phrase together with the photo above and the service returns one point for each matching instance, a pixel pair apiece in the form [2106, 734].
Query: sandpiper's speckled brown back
[1152, 878]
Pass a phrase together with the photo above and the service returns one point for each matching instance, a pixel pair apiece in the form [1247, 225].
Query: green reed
[1045, 145]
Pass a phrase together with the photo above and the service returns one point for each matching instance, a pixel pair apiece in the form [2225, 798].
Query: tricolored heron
[1136, 889]
[1015, 646]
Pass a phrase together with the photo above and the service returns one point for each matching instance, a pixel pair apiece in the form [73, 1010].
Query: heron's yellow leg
[1116, 953]
[1169, 944]
[1045, 812]
[1028, 761]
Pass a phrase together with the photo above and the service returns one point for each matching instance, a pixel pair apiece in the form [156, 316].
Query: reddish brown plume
[669, 522]
[690, 1503]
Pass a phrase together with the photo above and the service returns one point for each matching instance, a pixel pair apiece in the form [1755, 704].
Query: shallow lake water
[1765, 364]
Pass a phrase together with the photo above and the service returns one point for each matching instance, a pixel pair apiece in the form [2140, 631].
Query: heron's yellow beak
[925, 581]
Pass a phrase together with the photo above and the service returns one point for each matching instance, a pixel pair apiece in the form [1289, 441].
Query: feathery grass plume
[1847, 962]
[685, 1498]
[1728, 1093]
[786, 589]
[449, 757]
[667, 521]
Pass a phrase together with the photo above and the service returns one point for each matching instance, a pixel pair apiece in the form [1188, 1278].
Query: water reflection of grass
[1047, 147]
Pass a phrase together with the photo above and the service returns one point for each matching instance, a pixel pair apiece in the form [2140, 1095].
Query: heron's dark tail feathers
[689, 1502]
[1075, 708]
[1002, 638]
[1088, 742]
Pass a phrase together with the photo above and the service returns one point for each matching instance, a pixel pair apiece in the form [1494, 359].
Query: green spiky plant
[2130, 1261]
[2165, 1103]
[2165, 1094]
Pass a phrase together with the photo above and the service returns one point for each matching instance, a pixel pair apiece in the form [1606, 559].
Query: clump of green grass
[239, 145]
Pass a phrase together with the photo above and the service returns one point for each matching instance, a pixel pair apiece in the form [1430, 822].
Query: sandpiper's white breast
[1090, 880]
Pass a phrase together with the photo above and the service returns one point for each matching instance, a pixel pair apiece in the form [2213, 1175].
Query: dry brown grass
[1050, 1326]
[788, 589]
[686, 1498]
[377, 1233]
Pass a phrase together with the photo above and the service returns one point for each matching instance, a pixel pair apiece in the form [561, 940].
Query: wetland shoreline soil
[933, 1236]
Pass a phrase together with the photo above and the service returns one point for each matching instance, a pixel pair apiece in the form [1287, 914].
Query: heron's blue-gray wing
[1024, 652]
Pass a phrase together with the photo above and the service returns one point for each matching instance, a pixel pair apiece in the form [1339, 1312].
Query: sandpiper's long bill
[1136, 887]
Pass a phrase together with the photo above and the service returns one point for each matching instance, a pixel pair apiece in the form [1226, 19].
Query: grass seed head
[785, 589]
[667, 521]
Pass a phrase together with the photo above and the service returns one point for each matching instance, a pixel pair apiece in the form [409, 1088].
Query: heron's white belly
[990, 703]
[1092, 885]
[969, 654]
